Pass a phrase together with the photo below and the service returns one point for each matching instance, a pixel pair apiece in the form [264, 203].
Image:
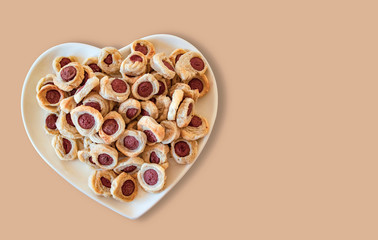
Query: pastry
[184, 151]
[112, 127]
[134, 65]
[129, 109]
[46, 80]
[145, 87]
[70, 76]
[162, 65]
[124, 188]
[151, 177]
[114, 89]
[85, 157]
[95, 138]
[132, 125]
[49, 97]
[66, 126]
[65, 148]
[176, 54]
[189, 65]
[185, 112]
[101, 181]
[201, 83]
[177, 97]
[50, 124]
[197, 128]
[131, 142]
[97, 102]
[188, 92]
[156, 154]
[89, 83]
[104, 156]
[130, 79]
[87, 120]
[143, 46]
[172, 132]
[60, 62]
[163, 88]
[129, 165]
[92, 62]
[110, 60]
[162, 104]
[148, 108]
[67, 104]
[154, 131]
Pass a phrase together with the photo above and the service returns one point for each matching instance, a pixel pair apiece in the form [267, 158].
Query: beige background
[293, 153]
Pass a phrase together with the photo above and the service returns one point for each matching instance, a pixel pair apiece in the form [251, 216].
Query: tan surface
[294, 150]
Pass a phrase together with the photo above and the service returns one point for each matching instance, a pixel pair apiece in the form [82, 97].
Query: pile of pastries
[124, 116]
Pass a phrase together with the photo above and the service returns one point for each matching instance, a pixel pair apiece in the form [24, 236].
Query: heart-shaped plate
[77, 173]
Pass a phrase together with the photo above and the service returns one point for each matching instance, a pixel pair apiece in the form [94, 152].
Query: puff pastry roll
[197, 128]
[162, 65]
[177, 97]
[151, 177]
[124, 188]
[60, 62]
[145, 87]
[89, 83]
[185, 112]
[184, 151]
[130, 79]
[131, 143]
[95, 138]
[134, 65]
[67, 104]
[189, 65]
[49, 97]
[110, 60]
[66, 126]
[129, 165]
[112, 127]
[104, 156]
[148, 108]
[46, 80]
[97, 102]
[70, 76]
[114, 89]
[156, 154]
[162, 104]
[155, 132]
[201, 83]
[176, 54]
[87, 120]
[143, 46]
[163, 88]
[132, 125]
[92, 62]
[172, 132]
[85, 157]
[194, 94]
[101, 182]
[65, 148]
[50, 124]
[129, 109]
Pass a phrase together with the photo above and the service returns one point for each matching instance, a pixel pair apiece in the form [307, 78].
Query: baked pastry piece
[70, 76]
[114, 89]
[148, 108]
[129, 165]
[101, 181]
[132, 125]
[110, 60]
[153, 130]
[194, 94]
[95, 138]
[92, 62]
[134, 65]
[130, 79]
[65, 148]
[172, 132]
[151, 177]
[145, 87]
[46, 80]
[143, 46]
[176, 54]
[131, 142]
[97, 102]
[49, 97]
[162, 65]
[163, 88]
[66, 126]
[162, 104]
[189, 65]
[184, 151]
[89, 83]
[156, 154]
[50, 124]
[85, 157]
[197, 128]
[112, 127]
[104, 156]
[61, 61]
[177, 97]
[201, 83]
[129, 109]
[124, 188]
[185, 112]
[67, 104]
[87, 120]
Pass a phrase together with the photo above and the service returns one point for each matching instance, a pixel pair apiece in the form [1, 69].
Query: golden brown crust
[188, 92]
[48, 79]
[49, 130]
[185, 112]
[130, 67]
[159, 186]
[160, 63]
[129, 104]
[121, 127]
[162, 104]
[78, 111]
[75, 82]
[42, 101]
[114, 66]
[149, 108]
[184, 67]
[97, 152]
[117, 189]
[56, 63]
[107, 91]
[145, 78]
[95, 182]
[67, 104]
[85, 157]
[175, 53]
[160, 154]
[193, 146]
[65, 128]
[194, 133]
[148, 44]
[58, 145]
[95, 97]
[147, 123]
[139, 136]
[172, 132]
[91, 83]
[127, 165]
[204, 81]
[177, 97]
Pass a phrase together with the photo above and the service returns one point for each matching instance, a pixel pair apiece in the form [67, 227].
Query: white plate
[75, 172]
